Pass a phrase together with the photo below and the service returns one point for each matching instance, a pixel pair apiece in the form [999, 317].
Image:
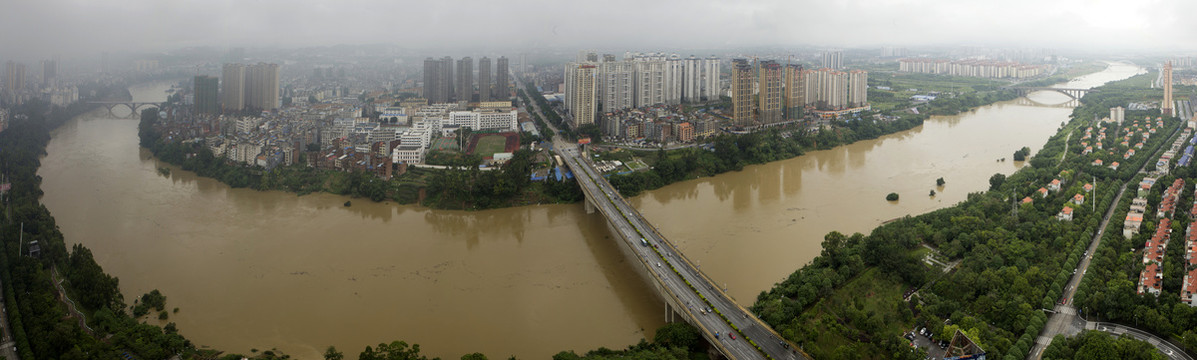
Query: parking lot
[928, 344]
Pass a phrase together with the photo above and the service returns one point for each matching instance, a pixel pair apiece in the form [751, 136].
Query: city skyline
[84, 29]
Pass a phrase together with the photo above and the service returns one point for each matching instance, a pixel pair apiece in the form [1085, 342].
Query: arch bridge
[1075, 94]
[134, 107]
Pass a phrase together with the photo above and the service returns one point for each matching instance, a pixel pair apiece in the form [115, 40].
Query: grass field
[488, 145]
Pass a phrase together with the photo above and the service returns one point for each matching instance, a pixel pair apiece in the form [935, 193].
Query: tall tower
[1166, 105]
[769, 95]
[484, 91]
[502, 80]
[794, 92]
[584, 97]
[465, 79]
[741, 88]
[14, 82]
[205, 95]
[233, 88]
[858, 88]
[432, 81]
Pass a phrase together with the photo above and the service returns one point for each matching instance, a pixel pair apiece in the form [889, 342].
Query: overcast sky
[39, 28]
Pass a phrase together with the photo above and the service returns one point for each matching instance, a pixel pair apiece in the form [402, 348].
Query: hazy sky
[38, 28]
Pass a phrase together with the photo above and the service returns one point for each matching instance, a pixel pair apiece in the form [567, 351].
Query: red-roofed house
[1042, 192]
[1150, 279]
[1078, 199]
[1054, 185]
[1065, 214]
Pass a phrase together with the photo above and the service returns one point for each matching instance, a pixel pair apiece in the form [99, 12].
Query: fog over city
[39, 28]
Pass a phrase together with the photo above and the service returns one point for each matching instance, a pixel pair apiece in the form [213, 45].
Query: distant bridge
[1075, 94]
[134, 107]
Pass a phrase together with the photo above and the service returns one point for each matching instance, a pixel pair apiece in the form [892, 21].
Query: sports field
[486, 145]
[445, 144]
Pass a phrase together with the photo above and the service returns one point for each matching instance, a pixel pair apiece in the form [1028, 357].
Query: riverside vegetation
[1010, 260]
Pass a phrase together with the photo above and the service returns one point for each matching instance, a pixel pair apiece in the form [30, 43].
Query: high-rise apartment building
[465, 79]
[1166, 104]
[794, 92]
[710, 82]
[14, 79]
[1117, 114]
[809, 87]
[741, 88]
[446, 79]
[832, 89]
[769, 93]
[502, 85]
[692, 79]
[833, 59]
[232, 96]
[650, 79]
[484, 90]
[858, 88]
[261, 86]
[674, 80]
[616, 84]
[432, 81]
[206, 88]
[584, 107]
[49, 73]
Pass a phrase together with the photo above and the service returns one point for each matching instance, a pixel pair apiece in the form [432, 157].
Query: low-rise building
[1065, 214]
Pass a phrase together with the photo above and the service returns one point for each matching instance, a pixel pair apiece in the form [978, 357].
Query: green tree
[332, 354]
[996, 181]
[397, 350]
[474, 356]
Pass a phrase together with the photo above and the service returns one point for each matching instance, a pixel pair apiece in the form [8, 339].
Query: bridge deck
[680, 282]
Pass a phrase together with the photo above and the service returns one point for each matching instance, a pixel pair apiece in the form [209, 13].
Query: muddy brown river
[260, 270]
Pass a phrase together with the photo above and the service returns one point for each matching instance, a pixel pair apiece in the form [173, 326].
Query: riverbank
[31, 298]
[863, 292]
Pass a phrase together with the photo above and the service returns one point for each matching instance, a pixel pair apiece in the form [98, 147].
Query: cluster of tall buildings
[782, 93]
[249, 87]
[638, 80]
[440, 85]
[971, 68]
[17, 88]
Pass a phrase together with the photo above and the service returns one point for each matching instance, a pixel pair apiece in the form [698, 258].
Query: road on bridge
[661, 259]
[673, 272]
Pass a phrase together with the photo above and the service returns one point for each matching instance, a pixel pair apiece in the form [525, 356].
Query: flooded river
[251, 269]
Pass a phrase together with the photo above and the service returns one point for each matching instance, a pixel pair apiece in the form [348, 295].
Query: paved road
[1064, 319]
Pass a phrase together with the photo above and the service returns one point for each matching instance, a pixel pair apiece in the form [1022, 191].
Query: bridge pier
[588, 205]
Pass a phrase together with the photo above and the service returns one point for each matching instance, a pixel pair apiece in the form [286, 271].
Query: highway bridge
[686, 291]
